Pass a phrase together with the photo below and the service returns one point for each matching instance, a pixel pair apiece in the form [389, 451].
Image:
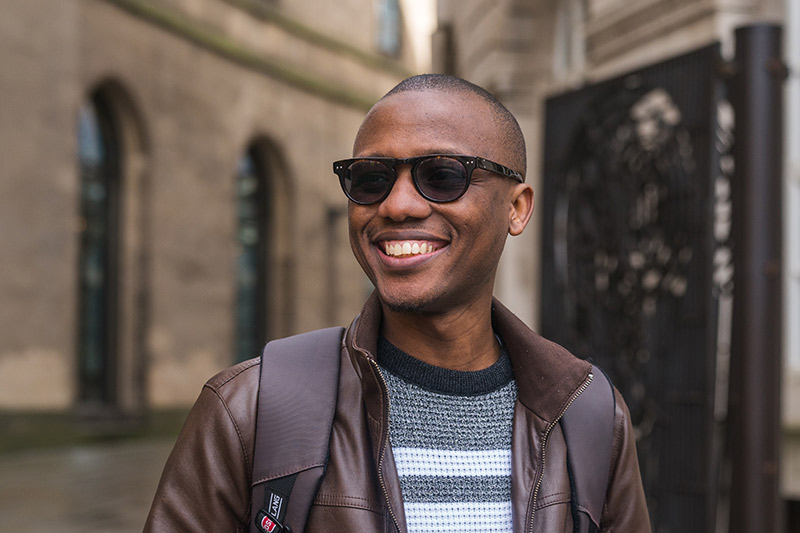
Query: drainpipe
[756, 358]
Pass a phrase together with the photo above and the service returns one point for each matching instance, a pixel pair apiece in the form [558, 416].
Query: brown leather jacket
[206, 482]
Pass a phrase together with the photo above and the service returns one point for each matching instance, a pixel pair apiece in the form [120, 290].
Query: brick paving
[81, 489]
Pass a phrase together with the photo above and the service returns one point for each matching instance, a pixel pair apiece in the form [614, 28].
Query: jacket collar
[547, 375]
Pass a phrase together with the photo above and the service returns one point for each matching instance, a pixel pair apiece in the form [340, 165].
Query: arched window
[99, 165]
[388, 27]
[252, 237]
[570, 42]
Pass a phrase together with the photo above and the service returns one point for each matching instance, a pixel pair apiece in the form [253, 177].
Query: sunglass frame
[469, 162]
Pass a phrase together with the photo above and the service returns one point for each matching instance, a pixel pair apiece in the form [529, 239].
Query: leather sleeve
[625, 508]
[205, 485]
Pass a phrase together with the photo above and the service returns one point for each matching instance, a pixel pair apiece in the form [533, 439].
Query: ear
[521, 208]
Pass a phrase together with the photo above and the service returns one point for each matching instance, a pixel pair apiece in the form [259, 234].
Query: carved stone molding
[636, 23]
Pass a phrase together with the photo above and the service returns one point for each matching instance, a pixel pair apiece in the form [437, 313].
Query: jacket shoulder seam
[619, 436]
[229, 374]
[248, 465]
[619, 430]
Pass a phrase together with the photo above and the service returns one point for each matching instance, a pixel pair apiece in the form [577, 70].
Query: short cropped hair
[512, 136]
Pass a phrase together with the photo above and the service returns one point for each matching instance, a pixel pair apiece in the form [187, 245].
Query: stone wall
[193, 83]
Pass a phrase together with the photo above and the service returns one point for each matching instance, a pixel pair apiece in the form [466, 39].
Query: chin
[405, 304]
[405, 307]
[409, 302]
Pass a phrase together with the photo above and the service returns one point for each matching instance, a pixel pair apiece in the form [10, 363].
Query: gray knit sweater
[450, 433]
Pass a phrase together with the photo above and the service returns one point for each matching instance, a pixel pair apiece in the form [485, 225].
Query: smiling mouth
[409, 248]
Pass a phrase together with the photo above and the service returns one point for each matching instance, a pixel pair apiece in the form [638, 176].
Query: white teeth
[408, 248]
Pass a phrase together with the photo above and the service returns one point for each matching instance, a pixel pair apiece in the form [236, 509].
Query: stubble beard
[419, 307]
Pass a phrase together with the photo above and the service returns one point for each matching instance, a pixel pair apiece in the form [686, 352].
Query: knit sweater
[450, 433]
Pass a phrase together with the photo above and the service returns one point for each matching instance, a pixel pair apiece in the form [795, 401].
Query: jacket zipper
[547, 430]
[383, 442]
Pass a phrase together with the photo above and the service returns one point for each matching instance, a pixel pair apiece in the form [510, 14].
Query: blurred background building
[166, 197]
[594, 82]
[168, 202]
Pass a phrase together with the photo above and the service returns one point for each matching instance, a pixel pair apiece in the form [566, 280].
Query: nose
[404, 201]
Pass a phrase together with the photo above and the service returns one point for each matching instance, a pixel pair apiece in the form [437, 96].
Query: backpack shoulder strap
[296, 404]
[588, 426]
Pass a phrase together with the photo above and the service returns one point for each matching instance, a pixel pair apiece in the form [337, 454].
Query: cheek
[489, 219]
[488, 230]
[357, 246]
[357, 219]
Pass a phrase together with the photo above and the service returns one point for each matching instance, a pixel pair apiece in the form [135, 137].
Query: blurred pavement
[81, 489]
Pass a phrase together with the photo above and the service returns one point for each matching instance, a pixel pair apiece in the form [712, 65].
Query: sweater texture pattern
[450, 433]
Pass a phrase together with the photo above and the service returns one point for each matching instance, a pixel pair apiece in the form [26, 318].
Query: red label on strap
[268, 525]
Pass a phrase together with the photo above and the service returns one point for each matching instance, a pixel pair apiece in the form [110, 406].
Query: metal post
[756, 231]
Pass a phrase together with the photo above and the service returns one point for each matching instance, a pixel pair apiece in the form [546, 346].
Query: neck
[460, 339]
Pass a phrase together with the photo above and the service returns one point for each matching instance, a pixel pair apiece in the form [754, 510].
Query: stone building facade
[166, 196]
[527, 51]
[166, 186]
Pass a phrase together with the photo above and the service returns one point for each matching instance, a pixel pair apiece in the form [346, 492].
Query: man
[448, 405]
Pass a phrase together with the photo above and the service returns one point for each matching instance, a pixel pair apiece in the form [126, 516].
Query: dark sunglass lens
[441, 179]
[367, 182]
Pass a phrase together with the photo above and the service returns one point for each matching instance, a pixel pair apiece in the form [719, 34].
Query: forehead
[413, 123]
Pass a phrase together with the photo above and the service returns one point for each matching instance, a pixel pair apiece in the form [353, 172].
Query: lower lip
[407, 261]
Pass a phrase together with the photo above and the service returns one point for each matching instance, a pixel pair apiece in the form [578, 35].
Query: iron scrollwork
[622, 232]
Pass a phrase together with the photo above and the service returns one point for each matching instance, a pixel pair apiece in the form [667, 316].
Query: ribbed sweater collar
[444, 380]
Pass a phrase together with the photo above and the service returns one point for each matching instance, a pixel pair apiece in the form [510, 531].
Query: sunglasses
[437, 177]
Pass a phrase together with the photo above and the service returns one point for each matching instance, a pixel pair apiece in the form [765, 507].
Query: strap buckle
[269, 524]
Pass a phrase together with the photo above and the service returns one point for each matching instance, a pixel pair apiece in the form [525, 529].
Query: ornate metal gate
[636, 266]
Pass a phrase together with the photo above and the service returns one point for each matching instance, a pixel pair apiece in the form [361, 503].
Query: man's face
[420, 255]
